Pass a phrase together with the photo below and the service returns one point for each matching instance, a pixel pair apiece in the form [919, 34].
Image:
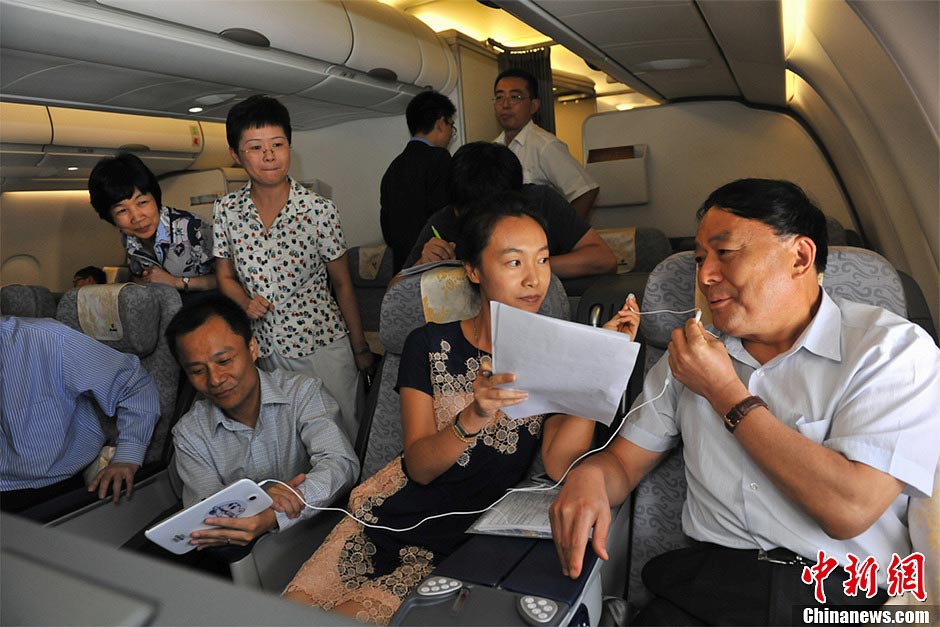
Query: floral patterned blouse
[286, 264]
[182, 246]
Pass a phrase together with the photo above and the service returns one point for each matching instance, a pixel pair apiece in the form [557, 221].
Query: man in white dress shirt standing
[545, 158]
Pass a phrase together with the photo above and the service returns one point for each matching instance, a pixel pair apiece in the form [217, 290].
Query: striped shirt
[297, 432]
[51, 378]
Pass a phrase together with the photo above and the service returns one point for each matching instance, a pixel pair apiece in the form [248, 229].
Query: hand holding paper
[564, 366]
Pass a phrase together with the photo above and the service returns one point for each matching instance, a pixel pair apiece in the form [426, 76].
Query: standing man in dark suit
[415, 184]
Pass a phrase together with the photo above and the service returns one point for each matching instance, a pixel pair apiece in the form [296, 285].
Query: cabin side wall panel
[693, 148]
[46, 236]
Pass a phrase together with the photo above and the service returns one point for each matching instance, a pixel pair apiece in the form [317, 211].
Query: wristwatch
[734, 417]
[185, 283]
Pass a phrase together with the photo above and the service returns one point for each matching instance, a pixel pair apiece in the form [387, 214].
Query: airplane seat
[27, 301]
[440, 294]
[371, 270]
[132, 318]
[918, 311]
[638, 251]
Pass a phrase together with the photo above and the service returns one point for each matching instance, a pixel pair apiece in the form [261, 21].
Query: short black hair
[426, 109]
[481, 169]
[254, 112]
[200, 309]
[476, 224]
[781, 205]
[114, 179]
[532, 83]
[94, 272]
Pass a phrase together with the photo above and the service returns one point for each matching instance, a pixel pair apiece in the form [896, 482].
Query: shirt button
[754, 486]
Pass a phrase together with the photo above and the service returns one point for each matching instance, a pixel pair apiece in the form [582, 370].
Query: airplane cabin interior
[661, 101]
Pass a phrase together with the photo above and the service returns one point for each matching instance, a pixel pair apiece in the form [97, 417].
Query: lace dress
[376, 568]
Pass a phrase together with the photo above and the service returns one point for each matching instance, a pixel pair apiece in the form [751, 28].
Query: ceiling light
[662, 65]
[213, 99]
[195, 109]
[72, 168]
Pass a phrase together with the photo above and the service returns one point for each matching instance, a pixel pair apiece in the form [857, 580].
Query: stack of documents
[565, 367]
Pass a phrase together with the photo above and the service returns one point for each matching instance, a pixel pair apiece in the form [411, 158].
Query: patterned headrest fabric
[27, 301]
[671, 286]
[138, 309]
[403, 308]
[446, 295]
[864, 276]
[855, 274]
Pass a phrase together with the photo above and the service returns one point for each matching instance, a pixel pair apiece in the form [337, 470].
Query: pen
[437, 233]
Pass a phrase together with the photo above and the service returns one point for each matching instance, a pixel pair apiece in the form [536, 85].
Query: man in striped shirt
[52, 378]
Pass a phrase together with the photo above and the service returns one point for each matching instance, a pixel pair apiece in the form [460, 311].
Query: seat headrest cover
[623, 242]
[98, 314]
[447, 295]
[370, 261]
[139, 313]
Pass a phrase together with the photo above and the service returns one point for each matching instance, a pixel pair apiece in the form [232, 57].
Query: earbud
[698, 316]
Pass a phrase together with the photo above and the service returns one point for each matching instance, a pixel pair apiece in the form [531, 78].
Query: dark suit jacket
[413, 188]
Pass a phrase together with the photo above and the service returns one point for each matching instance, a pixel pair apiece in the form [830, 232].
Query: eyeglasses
[452, 124]
[512, 98]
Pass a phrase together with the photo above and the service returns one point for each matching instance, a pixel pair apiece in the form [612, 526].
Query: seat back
[142, 313]
[27, 301]
[852, 273]
[408, 304]
[370, 268]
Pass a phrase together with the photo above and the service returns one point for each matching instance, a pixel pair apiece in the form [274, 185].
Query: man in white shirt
[807, 425]
[545, 159]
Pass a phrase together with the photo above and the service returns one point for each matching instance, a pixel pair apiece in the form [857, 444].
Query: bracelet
[463, 436]
[362, 351]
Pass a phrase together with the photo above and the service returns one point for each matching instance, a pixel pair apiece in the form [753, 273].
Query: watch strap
[734, 417]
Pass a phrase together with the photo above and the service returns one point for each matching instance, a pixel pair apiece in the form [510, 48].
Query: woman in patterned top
[164, 245]
[281, 255]
[461, 451]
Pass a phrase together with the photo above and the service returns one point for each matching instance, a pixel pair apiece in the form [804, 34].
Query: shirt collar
[248, 205]
[422, 140]
[523, 134]
[133, 243]
[823, 336]
[271, 394]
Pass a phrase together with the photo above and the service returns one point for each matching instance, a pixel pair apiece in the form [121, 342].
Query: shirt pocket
[815, 430]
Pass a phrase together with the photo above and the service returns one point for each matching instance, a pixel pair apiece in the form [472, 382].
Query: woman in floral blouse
[164, 245]
[281, 255]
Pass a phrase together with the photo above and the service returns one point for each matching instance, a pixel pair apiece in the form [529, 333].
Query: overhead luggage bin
[318, 30]
[161, 58]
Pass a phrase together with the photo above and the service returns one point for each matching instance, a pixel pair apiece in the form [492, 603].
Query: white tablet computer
[242, 499]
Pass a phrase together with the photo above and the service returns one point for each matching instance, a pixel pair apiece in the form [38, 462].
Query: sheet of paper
[519, 514]
[565, 367]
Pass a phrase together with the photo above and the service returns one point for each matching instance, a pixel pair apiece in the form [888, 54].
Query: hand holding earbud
[701, 363]
[627, 320]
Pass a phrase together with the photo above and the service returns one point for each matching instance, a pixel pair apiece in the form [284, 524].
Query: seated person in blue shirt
[164, 245]
[252, 424]
[51, 378]
[807, 424]
[482, 169]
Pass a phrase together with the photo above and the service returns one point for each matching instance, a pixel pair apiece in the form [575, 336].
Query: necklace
[477, 330]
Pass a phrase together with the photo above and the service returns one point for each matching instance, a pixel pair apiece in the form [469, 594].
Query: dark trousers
[15, 501]
[707, 584]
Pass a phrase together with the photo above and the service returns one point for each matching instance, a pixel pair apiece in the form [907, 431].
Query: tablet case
[242, 499]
